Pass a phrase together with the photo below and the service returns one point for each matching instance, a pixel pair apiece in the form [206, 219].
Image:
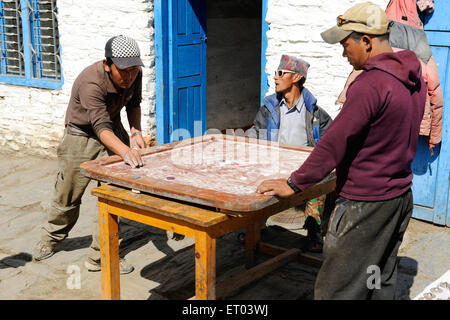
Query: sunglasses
[281, 72]
[341, 21]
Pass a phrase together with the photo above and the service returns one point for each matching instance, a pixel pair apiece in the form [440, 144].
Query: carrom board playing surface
[214, 170]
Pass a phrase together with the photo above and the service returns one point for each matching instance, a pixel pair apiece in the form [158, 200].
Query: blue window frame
[29, 44]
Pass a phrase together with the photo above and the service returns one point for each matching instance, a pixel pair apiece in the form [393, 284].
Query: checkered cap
[123, 51]
[294, 64]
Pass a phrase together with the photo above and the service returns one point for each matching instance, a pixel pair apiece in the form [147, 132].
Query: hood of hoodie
[403, 65]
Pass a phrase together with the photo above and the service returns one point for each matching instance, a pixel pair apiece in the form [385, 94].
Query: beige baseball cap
[367, 18]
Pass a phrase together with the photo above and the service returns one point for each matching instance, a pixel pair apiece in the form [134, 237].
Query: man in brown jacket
[93, 129]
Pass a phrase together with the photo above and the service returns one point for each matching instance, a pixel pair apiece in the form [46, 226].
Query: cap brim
[127, 62]
[335, 35]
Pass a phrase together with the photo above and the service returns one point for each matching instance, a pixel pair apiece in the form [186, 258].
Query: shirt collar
[297, 105]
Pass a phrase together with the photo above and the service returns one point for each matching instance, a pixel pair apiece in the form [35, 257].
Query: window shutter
[29, 44]
[44, 37]
[11, 60]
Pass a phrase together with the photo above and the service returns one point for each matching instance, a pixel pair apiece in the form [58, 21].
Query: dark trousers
[361, 247]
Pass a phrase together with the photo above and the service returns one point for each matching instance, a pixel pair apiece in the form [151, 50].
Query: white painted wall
[295, 27]
[32, 120]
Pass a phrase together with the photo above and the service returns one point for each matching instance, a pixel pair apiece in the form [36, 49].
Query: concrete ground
[164, 267]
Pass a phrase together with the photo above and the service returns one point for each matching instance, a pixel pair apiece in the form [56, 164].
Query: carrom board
[219, 171]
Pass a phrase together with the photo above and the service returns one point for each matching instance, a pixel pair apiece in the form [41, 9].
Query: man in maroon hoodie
[371, 144]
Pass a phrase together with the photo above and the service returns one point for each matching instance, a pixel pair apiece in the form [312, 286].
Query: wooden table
[204, 215]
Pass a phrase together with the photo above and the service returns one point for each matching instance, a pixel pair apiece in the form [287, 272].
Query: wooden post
[205, 266]
[109, 252]
[252, 237]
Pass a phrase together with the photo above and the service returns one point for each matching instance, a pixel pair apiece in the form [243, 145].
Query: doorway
[207, 65]
[233, 63]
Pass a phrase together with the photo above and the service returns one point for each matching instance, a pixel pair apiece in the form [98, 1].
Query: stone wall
[32, 120]
[295, 27]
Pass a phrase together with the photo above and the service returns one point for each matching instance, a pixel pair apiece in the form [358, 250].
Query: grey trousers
[361, 247]
[70, 186]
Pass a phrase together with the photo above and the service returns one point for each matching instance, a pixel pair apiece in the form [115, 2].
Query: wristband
[136, 133]
[292, 185]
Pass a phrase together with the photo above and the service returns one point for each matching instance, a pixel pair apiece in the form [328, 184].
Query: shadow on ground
[15, 261]
[135, 235]
[132, 236]
[407, 271]
[71, 244]
[176, 272]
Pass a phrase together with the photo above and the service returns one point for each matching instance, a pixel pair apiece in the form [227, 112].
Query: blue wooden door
[187, 68]
[432, 173]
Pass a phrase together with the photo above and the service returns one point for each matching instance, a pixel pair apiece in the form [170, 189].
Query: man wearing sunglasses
[371, 144]
[292, 116]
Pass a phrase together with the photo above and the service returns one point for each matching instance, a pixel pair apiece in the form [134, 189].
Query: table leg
[205, 266]
[109, 252]
[252, 237]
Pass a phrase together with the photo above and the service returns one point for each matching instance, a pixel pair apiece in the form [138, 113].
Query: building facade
[208, 65]
[32, 120]
[33, 117]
